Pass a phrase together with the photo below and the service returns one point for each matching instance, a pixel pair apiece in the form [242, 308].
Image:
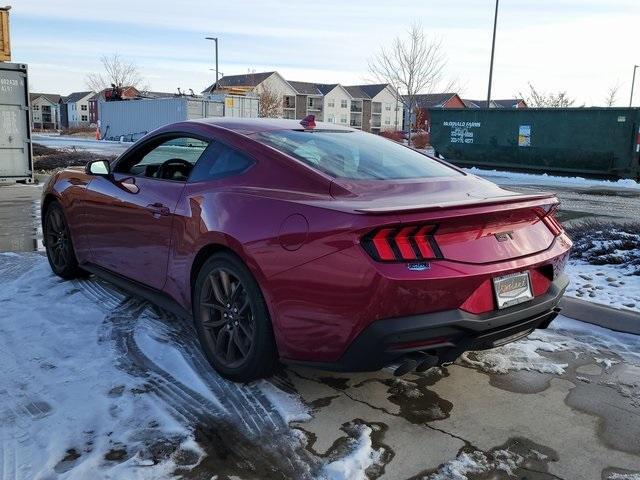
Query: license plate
[512, 289]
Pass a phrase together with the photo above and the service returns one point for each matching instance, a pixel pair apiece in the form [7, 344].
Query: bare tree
[117, 71]
[546, 99]
[269, 102]
[612, 95]
[411, 65]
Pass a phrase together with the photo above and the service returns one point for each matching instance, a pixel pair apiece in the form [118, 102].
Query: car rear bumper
[445, 334]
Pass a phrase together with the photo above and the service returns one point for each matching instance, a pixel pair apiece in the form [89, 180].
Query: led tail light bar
[400, 244]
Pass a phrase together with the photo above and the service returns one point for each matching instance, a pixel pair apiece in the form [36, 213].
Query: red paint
[321, 287]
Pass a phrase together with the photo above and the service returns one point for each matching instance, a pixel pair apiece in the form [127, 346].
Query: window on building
[85, 118]
[343, 104]
[387, 107]
[387, 121]
[331, 118]
[311, 101]
[331, 103]
[36, 107]
[83, 108]
[343, 118]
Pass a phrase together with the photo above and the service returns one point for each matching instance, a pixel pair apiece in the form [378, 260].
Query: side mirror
[98, 167]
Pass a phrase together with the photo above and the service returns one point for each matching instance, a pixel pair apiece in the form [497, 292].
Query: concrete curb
[624, 321]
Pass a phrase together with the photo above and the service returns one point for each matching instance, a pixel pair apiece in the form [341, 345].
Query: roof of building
[372, 90]
[356, 91]
[305, 88]
[432, 100]
[503, 103]
[75, 97]
[244, 80]
[325, 88]
[52, 97]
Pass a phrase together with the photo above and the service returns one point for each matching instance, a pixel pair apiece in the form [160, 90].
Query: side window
[220, 161]
[168, 159]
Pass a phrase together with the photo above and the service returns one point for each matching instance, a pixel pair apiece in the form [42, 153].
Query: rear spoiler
[471, 202]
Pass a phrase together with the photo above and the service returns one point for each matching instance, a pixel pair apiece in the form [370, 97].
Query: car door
[129, 215]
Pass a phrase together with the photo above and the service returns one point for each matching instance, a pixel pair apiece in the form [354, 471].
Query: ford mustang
[310, 243]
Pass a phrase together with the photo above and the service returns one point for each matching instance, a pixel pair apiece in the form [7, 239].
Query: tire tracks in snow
[259, 439]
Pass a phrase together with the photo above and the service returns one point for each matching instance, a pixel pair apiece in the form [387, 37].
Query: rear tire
[58, 244]
[232, 320]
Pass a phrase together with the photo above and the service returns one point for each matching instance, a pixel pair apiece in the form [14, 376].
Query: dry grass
[48, 159]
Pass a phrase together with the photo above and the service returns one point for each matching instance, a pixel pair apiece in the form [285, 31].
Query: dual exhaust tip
[418, 362]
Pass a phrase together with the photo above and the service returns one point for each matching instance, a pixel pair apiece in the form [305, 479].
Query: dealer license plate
[512, 289]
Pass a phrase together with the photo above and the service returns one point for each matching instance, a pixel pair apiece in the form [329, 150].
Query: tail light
[548, 217]
[413, 242]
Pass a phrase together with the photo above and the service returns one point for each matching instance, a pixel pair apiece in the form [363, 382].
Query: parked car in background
[313, 244]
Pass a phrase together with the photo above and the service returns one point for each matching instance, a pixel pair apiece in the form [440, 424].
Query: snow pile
[477, 462]
[354, 465]
[65, 406]
[545, 179]
[563, 334]
[522, 355]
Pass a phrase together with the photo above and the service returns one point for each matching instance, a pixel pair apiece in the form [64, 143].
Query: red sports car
[314, 244]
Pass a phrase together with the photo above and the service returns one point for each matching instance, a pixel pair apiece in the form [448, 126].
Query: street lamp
[633, 81]
[493, 47]
[215, 39]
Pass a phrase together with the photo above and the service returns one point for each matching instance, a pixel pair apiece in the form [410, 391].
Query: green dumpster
[603, 142]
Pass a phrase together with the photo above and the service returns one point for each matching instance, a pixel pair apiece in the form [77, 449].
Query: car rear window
[354, 155]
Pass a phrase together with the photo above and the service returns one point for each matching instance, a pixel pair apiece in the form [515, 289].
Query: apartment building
[45, 111]
[372, 108]
[375, 108]
[74, 110]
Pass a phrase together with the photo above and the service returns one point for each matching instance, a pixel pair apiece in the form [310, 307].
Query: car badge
[418, 266]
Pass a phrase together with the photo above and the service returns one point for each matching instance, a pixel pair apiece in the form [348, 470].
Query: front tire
[232, 320]
[58, 244]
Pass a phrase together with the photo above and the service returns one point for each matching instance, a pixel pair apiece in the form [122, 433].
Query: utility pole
[493, 47]
[633, 81]
[215, 39]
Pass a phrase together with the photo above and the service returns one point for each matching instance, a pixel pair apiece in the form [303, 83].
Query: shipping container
[602, 142]
[16, 157]
[130, 120]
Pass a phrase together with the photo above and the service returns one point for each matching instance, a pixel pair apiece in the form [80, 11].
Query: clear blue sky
[582, 46]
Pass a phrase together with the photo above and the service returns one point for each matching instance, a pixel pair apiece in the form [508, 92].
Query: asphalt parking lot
[564, 403]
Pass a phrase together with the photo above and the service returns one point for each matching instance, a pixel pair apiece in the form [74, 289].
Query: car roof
[246, 126]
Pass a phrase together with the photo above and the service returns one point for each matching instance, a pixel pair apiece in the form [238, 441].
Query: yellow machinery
[5, 45]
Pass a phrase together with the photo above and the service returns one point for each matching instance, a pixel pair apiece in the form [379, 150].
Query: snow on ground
[354, 465]
[63, 401]
[609, 285]
[514, 178]
[605, 264]
[563, 335]
[477, 463]
[289, 406]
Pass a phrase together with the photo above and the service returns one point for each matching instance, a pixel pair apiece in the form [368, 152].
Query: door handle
[158, 209]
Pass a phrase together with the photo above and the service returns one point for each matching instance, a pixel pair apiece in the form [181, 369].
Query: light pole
[215, 39]
[633, 81]
[493, 47]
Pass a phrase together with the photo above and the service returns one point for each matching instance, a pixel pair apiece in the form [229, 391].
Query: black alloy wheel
[232, 320]
[58, 243]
